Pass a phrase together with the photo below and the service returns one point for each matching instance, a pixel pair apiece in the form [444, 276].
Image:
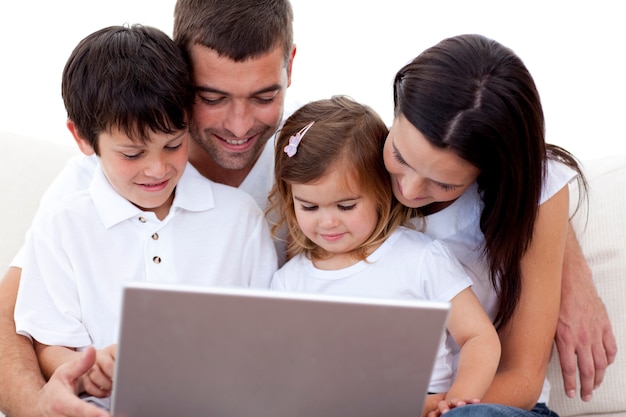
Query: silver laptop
[220, 352]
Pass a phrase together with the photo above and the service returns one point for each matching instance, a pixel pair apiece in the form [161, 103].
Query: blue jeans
[498, 410]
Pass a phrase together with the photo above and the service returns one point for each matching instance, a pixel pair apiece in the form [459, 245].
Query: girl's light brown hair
[346, 135]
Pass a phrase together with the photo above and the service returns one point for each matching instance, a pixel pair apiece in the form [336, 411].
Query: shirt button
[142, 219]
[155, 236]
[156, 260]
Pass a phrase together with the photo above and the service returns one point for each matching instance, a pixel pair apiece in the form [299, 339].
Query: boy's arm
[23, 390]
[51, 357]
[58, 397]
[97, 381]
[584, 336]
[20, 377]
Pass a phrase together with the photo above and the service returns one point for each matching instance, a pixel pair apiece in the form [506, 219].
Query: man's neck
[211, 170]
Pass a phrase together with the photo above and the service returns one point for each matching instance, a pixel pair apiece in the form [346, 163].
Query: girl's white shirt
[408, 265]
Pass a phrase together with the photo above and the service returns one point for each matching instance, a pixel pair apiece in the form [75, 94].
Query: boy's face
[239, 106]
[144, 174]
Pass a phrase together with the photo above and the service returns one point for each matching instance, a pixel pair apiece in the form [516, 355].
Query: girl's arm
[528, 337]
[480, 348]
[472, 330]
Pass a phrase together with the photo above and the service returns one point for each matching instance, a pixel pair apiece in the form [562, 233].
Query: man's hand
[584, 335]
[58, 398]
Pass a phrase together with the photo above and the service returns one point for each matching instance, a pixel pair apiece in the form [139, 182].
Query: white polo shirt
[85, 246]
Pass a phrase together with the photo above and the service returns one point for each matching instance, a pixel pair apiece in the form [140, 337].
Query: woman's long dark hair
[474, 96]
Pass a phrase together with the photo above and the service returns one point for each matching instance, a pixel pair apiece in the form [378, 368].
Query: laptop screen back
[252, 353]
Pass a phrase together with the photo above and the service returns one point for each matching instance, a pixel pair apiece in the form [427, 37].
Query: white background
[575, 50]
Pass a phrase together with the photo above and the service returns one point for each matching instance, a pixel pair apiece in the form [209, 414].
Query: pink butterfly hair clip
[294, 140]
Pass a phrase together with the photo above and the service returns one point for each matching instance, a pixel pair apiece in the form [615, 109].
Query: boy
[147, 214]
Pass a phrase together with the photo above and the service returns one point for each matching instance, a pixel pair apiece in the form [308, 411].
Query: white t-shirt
[82, 249]
[458, 225]
[408, 265]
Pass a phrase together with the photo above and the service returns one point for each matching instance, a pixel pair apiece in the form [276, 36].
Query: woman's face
[422, 174]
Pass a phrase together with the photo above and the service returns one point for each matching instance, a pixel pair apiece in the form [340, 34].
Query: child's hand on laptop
[98, 381]
[444, 405]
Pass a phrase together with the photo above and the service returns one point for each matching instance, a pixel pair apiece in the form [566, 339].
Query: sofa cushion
[601, 230]
[27, 167]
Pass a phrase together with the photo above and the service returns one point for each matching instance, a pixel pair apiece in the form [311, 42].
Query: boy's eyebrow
[207, 89]
[138, 145]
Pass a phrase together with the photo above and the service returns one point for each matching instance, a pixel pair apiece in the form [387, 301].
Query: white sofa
[27, 166]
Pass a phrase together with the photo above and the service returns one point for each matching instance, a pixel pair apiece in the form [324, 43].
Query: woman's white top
[458, 225]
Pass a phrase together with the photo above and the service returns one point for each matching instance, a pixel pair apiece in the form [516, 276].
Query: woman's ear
[83, 144]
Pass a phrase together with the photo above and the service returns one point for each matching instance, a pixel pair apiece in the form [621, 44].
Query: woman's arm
[528, 337]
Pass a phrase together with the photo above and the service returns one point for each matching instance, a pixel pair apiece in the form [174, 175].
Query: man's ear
[83, 144]
[290, 64]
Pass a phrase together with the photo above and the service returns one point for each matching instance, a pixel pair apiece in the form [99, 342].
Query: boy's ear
[83, 144]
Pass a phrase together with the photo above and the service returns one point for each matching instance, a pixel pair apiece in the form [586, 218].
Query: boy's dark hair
[237, 29]
[133, 78]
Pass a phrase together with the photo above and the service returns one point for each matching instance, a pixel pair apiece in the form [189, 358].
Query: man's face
[239, 105]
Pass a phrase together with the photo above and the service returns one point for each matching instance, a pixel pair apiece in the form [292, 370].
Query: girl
[346, 236]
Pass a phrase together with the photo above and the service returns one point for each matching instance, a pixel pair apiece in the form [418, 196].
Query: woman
[467, 148]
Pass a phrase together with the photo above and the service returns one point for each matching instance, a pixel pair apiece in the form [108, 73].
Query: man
[241, 53]
[232, 117]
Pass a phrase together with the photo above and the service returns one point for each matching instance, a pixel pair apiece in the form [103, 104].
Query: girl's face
[422, 174]
[335, 214]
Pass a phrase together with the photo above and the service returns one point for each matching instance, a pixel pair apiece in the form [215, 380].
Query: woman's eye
[447, 187]
[309, 208]
[399, 159]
